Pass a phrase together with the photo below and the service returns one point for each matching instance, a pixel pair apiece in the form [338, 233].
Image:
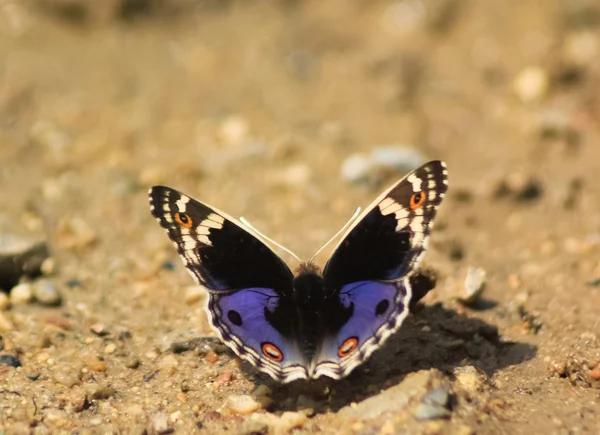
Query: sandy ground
[254, 107]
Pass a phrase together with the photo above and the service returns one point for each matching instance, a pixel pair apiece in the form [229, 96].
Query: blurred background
[292, 113]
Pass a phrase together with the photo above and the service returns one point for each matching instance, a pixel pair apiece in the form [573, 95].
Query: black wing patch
[219, 253]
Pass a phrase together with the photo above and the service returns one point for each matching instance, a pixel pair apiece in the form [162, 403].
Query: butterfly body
[309, 323]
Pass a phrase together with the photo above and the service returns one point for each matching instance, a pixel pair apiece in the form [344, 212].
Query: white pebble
[46, 293]
[243, 404]
[474, 285]
[531, 84]
[21, 294]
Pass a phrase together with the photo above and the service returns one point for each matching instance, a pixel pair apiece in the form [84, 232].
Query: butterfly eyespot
[416, 200]
[348, 347]
[184, 220]
[272, 352]
[234, 317]
[382, 307]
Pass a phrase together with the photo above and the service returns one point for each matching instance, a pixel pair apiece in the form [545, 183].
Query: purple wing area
[373, 302]
[246, 320]
[378, 309]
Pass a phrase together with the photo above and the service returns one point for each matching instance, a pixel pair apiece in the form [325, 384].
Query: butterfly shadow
[432, 337]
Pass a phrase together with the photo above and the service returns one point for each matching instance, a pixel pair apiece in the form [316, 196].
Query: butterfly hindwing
[248, 283]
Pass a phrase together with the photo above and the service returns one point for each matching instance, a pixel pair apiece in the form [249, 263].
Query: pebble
[5, 323]
[531, 84]
[110, 348]
[46, 293]
[9, 360]
[434, 404]
[234, 130]
[4, 302]
[211, 357]
[595, 372]
[194, 294]
[75, 233]
[371, 168]
[68, 377]
[471, 380]
[281, 424]
[132, 363]
[246, 404]
[20, 257]
[21, 294]
[474, 286]
[394, 400]
[160, 422]
[99, 329]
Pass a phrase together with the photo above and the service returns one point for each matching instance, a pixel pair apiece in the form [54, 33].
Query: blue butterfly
[307, 324]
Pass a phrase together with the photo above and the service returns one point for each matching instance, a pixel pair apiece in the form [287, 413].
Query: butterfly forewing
[219, 253]
[389, 238]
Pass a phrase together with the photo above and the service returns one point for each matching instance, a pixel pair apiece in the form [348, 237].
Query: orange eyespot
[416, 200]
[272, 352]
[184, 220]
[348, 347]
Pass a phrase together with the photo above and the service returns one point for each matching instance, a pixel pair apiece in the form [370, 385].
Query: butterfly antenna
[354, 216]
[249, 225]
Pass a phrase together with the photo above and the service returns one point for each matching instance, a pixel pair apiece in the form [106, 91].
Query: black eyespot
[382, 307]
[234, 317]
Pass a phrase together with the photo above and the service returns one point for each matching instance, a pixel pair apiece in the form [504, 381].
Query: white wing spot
[182, 203]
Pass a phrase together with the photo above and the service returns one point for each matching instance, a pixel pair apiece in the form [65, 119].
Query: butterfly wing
[249, 285]
[369, 271]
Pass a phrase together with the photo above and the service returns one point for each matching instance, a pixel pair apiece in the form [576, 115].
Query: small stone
[234, 130]
[194, 294]
[281, 424]
[21, 294]
[99, 391]
[110, 348]
[211, 357]
[20, 257]
[160, 422]
[469, 379]
[435, 404]
[225, 378]
[9, 360]
[75, 233]
[48, 266]
[244, 404]
[98, 329]
[531, 84]
[132, 363]
[595, 372]
[4, 302]
[474, 286]
[5, 324]
[67, 377]
[175, 416]
[96, 365]
[46, 293]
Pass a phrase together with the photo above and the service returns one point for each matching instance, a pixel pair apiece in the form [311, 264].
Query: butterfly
[308, 323]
